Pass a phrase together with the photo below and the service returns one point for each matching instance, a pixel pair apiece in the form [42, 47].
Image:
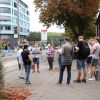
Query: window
[5, 2]
[15, 4]
[8, 27]
[27, 13]
[15, 12]
[1, 27]
[5, 18]
[5, 10]
[5, 36]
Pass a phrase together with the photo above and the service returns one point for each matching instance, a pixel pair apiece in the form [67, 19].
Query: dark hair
[25, 46]
[67, 38]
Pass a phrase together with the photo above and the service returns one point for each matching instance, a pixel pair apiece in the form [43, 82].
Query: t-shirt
[96, 54]
[25, 57]
[19, 56]
[80, 55]
[36, 52]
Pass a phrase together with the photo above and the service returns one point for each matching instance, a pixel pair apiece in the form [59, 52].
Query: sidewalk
[44, 85]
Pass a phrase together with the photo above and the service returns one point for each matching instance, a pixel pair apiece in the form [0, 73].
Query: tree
[34, 36]
[73, 14]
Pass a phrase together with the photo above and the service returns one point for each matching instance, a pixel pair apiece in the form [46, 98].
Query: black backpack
[85, 50]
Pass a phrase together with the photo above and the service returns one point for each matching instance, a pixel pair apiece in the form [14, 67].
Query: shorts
[36, 60]
[94, 62]
[81, 64]
[89, 60]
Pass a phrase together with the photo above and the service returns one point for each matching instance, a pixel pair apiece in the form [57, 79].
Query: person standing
[81, 57]
[28, 61]
[20, 61]
[36, 54]
[66, 60]
[96, 57]
[50, 56]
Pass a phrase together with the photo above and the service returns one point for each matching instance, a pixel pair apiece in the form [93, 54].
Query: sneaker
[84, 80]
[58, 83]
[92, 79]
[77, 81]
[38, 71]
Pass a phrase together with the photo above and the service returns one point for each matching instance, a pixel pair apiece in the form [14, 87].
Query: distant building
[14, 19]
[98, 25]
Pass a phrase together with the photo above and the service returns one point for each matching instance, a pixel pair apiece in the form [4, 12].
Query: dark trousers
[50, 62]
[68, 73]
[59, 60]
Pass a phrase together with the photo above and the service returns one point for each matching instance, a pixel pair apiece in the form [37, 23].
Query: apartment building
[14, 20]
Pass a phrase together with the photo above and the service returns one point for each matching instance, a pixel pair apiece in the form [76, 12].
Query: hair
[80, 37]
[20, 46]
[25, 46]
[67, 38]
[98, 39]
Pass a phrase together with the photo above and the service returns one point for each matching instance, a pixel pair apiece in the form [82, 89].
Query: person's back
[66, 60]
[66, 54]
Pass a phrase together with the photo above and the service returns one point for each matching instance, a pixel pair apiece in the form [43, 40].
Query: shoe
[77, 81]
[58, 83]
[27, 83]
[38, 71]
[21, 77]
[92, 79]
[33, 71]
[84, 80]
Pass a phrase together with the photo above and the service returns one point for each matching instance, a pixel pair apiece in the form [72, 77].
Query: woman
[50, 56]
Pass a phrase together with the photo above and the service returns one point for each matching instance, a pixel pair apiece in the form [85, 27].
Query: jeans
[68, 73]
[81, 64]
[59, 60]
[27, 70]
[50, 62]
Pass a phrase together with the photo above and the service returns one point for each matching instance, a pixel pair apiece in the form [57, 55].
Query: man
[80, 61]
[36, 53]
[20, 62]
[96, 56]
[27, 60]
[66, 60]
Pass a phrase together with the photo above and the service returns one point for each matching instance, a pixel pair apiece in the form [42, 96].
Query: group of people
[87, 52]
[27, 59]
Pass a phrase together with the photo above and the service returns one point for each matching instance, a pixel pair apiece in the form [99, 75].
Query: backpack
[85, 49]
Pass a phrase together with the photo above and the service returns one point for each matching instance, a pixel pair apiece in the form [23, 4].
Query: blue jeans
[27, 70]
[81, 64]
[68, 73]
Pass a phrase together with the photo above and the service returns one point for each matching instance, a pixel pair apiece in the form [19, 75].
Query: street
[44, 85]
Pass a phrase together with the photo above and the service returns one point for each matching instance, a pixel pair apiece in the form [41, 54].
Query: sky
[35, 25]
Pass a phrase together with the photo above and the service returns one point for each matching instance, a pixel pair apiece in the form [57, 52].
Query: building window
[15, 4]
[8, 2]
[5, 10]
[5, 18]
[15, 12]
[27, 13]
[8, 27]
[1, 27]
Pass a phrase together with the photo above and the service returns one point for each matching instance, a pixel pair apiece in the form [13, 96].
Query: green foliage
[1, 75]
[54, 34]
[34, 36]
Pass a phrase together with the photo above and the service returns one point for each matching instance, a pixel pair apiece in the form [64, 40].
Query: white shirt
[19, 56]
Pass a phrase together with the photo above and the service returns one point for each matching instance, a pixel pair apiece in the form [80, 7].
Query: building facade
[14, 20]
